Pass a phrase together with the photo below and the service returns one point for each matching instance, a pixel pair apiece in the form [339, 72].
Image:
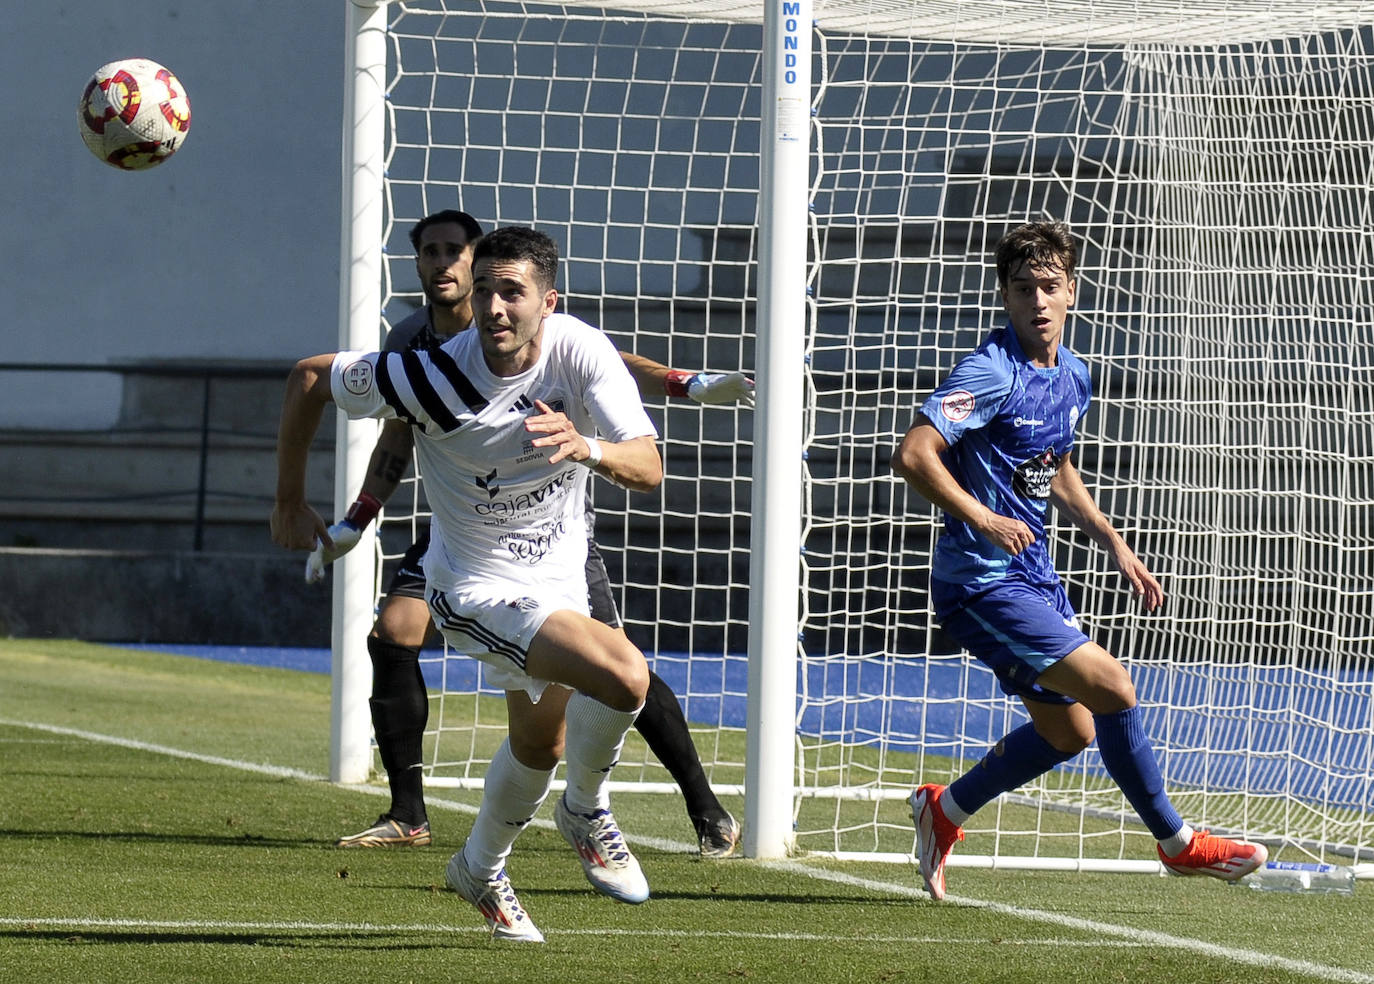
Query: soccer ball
[134, 114]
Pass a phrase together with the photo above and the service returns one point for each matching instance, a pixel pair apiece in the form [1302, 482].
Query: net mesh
[1215, 164]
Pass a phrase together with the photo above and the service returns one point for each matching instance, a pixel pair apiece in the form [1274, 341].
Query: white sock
[511, 796]
[953, 812]
[596, 734]
[1177, 844]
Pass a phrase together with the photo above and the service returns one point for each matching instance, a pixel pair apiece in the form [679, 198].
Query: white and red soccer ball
[134, 114]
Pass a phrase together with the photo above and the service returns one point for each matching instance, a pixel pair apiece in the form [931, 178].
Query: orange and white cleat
[935, 836]
[1219, 857]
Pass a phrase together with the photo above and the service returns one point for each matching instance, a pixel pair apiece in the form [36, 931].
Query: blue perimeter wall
[1265, 729]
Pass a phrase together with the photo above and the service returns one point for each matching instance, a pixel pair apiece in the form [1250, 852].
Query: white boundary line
[1142, 937]
[599, 933]
[283, 772]
[1115, 935]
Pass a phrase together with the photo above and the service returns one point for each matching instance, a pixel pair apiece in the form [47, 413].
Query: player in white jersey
[500, 512]
[399, 703]
[504, 416]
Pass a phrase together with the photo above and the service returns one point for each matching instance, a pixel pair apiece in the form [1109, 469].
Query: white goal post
[1215, 160]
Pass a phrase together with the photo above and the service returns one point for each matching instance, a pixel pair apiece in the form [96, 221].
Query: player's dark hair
[1038, 244]
[517, 243]
[471, 227]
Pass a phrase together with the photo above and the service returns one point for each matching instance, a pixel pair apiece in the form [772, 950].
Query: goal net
[1215, 162]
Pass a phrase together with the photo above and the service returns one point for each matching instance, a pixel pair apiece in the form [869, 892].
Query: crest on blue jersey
[1033, 476]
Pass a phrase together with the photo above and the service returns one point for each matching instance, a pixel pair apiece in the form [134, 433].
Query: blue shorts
[1017, 628]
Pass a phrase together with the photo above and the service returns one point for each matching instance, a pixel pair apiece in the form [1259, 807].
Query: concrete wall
[126, 596]
[138, 485]
[229, 250]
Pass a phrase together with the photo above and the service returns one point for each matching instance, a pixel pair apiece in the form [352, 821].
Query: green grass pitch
[166, 819]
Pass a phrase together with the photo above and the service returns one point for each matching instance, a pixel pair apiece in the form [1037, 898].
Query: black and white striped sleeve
[425, 389]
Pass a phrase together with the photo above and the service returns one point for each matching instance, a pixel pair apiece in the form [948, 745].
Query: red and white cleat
[1219, 857]
[935, 836]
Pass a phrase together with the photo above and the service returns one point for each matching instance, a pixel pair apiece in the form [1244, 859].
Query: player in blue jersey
[993, 449]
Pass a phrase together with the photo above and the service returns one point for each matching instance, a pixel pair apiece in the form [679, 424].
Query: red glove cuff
[364, 510]
[675, 382]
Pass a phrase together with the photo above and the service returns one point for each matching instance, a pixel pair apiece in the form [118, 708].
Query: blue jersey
[1009, 424]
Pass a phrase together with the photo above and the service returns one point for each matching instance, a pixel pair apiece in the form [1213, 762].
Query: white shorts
[495, 623]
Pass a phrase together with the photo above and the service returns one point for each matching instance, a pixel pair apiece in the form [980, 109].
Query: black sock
[400, 710]
[665, 729]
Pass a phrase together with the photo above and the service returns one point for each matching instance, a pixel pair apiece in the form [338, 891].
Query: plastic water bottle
[1302, 876]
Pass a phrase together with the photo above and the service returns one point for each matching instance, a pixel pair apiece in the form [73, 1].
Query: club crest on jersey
[528, 452]
[1032, 477]
[957, 406]
[357, 377]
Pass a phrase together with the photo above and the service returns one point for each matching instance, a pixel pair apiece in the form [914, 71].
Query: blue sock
[1014, 761]
[1130, 761]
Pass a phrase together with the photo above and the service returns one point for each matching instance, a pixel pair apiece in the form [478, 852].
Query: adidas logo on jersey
[524, 403]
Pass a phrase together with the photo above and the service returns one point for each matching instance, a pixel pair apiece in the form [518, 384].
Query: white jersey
[501, 511]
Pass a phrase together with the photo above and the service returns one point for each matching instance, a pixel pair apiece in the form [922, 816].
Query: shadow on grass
[163, 837]
[389, 940]
[533, 894]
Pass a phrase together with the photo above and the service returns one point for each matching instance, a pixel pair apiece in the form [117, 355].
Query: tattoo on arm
[390, 467]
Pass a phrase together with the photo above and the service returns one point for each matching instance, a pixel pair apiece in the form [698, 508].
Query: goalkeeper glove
[345, 535]
[710, 387]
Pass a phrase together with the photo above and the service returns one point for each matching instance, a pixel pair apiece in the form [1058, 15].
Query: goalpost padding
[1215, 164]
